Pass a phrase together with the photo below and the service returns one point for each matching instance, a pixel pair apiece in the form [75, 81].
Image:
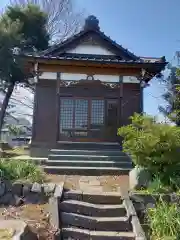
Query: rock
[2, 188]
[150, 205]
[54, 212]
[26, 189]
[139, 178]
[18, 201]
[17, 189]
[36, 198]
[49, 187]
[32, 198]
[36, 188]
[8, 185]
[7, 199]
[59, 190]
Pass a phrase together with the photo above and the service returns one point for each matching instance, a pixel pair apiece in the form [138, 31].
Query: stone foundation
[40, 149]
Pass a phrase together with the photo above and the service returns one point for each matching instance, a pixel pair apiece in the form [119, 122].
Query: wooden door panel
[83, 119]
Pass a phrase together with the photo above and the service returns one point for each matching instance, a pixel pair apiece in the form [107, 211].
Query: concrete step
[93, 210]
[96, 223]
[85, 234]
[87, 163]
[88, 145]
[94, 197]
[75, 157]
[88, 171]
[99, 152]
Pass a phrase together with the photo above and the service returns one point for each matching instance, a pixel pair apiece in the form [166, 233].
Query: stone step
[77, 157]
[96, 223]
[94, 197]
[87, 152]
[88, 145]
[88, 171]
[94, 210]
[88, 163]
[85, 234]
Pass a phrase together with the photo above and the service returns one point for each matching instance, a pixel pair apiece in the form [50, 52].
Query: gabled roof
[91, 29]
[91, 34]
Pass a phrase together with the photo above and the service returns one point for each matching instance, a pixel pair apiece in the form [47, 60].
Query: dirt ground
[107, 183]
[36, 216]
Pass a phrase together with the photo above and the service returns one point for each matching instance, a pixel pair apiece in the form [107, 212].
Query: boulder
[49, 187]
[26, 189]
[2, 188]
[36, 188]
[17, 189]
[139, 178]
[7, 199]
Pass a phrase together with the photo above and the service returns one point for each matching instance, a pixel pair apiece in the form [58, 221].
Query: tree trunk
[5, 104]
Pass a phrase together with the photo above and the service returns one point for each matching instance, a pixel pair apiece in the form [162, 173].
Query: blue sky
[146, 27]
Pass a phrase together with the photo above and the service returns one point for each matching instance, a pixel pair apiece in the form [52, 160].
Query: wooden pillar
[120, 109]
[58, 106]
[36, 70]
[141, 100]
[34, 117]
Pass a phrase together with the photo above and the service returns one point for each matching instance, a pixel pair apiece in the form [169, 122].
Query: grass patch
[164, 221]
[17, 151]
[21, 170]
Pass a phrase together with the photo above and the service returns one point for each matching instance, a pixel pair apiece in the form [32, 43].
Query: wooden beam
[90, 70]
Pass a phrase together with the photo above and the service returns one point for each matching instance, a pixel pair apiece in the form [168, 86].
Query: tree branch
[63, 19]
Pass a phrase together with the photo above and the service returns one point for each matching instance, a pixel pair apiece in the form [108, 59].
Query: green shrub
[154, 146]
[164, 221]
[14, 170]
[157, 186]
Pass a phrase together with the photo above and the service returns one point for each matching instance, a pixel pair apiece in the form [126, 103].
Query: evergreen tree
[22, 29]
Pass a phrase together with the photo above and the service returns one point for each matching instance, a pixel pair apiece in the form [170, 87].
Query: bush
[157, 186]
[164, 221]
[14, 170]
[154, 146]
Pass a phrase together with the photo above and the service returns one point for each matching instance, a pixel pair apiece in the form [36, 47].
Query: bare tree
[21, 103]
[63, 19]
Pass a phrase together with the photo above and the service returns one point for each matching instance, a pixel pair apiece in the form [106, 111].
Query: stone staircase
[96, 216]
[77, 158]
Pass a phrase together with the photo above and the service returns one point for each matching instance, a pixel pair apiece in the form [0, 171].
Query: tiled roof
[96, 58]
[92, 29]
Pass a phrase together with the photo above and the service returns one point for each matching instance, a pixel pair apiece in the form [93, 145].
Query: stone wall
[19, 193]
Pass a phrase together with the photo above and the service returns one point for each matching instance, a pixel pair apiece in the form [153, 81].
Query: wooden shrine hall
[87, 87]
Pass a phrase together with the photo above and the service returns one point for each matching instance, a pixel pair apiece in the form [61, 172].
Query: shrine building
[88, 86]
